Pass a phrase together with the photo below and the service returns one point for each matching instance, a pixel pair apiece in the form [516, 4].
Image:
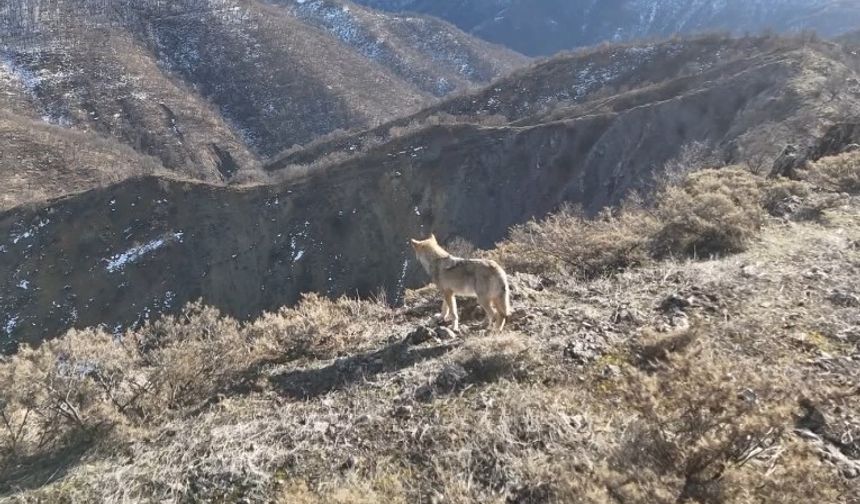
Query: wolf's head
[428, 250]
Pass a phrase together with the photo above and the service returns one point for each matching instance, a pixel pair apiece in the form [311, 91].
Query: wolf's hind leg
[498, 303]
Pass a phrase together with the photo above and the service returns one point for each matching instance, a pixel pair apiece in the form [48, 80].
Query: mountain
[150, 244]
[208, 88]
[547, 26]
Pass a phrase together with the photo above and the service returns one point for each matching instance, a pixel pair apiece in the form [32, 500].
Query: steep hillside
[670, 378]
[41, 161]
[209, 87]
[106, 83]
[282, 73]
[547, 26]
[758, 72]
[149, 245]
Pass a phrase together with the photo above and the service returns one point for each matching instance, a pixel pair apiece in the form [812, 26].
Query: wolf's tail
[506, 301]
[505, 307]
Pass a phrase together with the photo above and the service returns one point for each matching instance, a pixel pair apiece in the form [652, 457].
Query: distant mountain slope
[547, 26]
[579, 82]
[208, 87]
[149, 245]
[41, 161]
[105, 82]
[284, 72]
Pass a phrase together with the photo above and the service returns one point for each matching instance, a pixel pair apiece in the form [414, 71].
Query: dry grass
[711, 212]
[570, 241]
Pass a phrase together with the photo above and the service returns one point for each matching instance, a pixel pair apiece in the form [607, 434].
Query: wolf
[455, 276]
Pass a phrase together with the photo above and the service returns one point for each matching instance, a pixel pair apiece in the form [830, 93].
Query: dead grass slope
[41, 161]
[672, 377]
[104, 82]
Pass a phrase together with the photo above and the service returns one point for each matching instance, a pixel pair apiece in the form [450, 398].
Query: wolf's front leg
[452, 304]
[446, 308]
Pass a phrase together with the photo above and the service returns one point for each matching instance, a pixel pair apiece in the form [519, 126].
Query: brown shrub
[460, 247]
[710, 212]
[715, 211]
[837, 173]
[569, 241]
[702, 418]
[62, 392]
[71, 387]
[319, 327]
[779, 193]
[189, 356]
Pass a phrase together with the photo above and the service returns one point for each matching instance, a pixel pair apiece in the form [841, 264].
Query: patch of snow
[119, 261]
[20, 74]
[402, 280]
[169, 297]
[24, 284]
[11, 324]
[30, 231]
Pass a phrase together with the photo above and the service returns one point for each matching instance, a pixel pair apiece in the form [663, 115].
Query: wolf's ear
[433, 236]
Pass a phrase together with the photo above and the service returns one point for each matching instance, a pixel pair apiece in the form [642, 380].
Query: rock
[445, 333]
[844, 299]
[450, 378]
[580, 352]
[675, 303]
[625, 315]
[403, 411]
[420, 335]
[789, 163]
[611, 371]
[786, 207]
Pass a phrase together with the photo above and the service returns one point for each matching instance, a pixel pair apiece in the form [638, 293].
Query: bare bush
[693, 157]
[191, 355]
[702, 417]
[710, 212]
[460, 247]
[61, 393]
[319, 327]
[707, 212]
[569, 241]
[837, 173]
